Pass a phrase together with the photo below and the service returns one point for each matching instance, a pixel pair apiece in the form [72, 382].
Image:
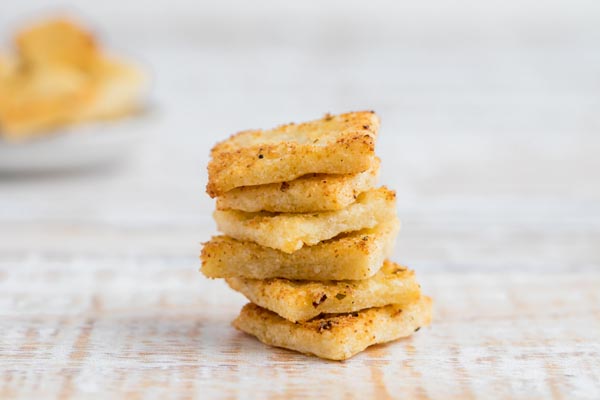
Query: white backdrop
[490, 121]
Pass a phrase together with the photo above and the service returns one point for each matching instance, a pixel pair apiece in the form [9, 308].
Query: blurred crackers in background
[60, 76]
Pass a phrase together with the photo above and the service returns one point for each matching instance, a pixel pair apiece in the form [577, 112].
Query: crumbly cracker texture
[337, 336]
[289, 232]
[310, 193]
[302, 300]
[340, 144]
[351, 256]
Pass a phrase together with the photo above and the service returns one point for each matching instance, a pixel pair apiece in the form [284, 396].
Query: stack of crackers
[307, 238]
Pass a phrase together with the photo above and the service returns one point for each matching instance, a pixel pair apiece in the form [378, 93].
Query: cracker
[289, 232]
[59, 42]
[53, 96]
[41, 99]
[118, 88]
[356, 255]
[341, 144]
[310, 193]
[302, 300]
[63, 78]
[336, 336]
[7, 65]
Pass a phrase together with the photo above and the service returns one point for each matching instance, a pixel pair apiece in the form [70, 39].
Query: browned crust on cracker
[355, 255]
[342, 144]
[297, 300]
[289, 232]
[309, 193]
[336, 336]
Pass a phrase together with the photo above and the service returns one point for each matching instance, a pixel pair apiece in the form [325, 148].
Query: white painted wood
[135, 327]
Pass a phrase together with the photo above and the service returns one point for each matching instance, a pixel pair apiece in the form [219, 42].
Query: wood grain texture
[99, 327]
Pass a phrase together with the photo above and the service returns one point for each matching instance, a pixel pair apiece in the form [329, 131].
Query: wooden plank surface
[152, 328]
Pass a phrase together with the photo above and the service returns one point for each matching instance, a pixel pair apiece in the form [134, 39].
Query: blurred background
[490, 123]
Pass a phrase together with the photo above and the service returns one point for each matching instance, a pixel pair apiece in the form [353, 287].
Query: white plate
[85, 145]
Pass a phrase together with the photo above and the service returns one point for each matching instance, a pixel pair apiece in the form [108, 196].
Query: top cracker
[340, 144]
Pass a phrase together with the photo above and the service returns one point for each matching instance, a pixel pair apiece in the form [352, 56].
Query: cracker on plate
[118, 88]
[57, 42]
[340, 144]
[356, 255]
[61, 77]
[289, 232]
[41, 99]
[336, 336]
[297, 300]
[7, 65]
[309, 193]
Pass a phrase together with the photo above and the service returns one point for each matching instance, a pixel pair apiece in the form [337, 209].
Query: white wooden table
[490, 136]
